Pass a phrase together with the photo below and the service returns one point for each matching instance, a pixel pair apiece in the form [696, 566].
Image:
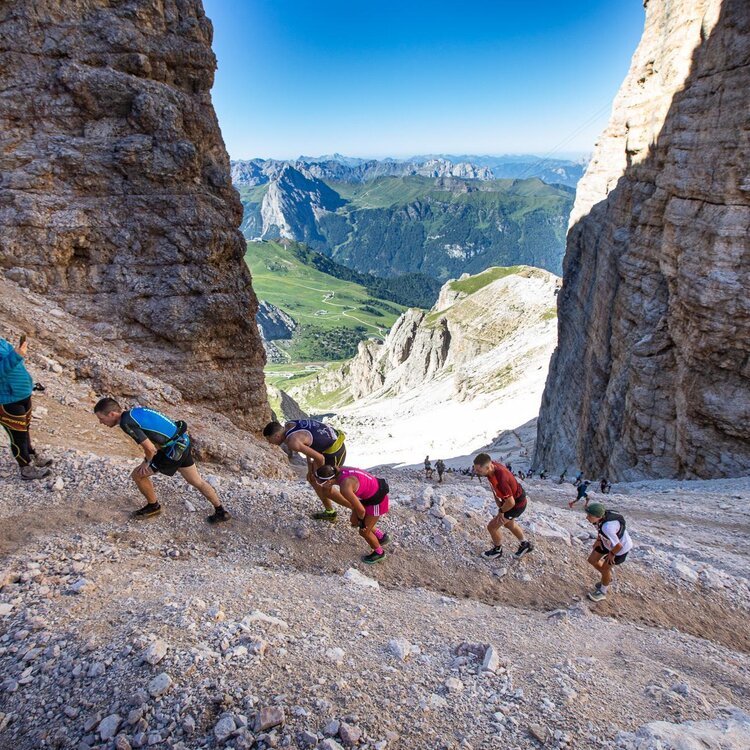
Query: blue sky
[410, 77]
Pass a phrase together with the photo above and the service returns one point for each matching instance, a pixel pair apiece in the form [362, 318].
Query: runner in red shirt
[511, 500]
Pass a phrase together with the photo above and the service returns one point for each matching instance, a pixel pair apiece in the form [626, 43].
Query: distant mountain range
[467, 166]
[433, 216]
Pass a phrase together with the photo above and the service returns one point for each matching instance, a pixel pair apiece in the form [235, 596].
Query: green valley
[332, 314]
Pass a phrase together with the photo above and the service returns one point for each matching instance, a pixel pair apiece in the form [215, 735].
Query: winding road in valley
[328, 294]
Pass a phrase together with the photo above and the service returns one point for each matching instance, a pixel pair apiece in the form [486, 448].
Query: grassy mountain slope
[333, 314]
[415, 224]
[441, 228]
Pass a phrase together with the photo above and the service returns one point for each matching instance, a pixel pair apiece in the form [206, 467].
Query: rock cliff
[273, 322]
[652, 374]
[115, 196]
[292, 205]
[473, 320]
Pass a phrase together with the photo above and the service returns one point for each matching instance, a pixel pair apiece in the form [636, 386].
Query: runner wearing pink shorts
[368, 498]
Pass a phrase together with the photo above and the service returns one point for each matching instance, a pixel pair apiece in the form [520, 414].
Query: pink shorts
[377, 510]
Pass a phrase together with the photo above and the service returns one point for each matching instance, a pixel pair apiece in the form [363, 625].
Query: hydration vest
[611, 515]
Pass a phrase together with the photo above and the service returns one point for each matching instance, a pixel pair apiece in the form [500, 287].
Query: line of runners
[167, 450]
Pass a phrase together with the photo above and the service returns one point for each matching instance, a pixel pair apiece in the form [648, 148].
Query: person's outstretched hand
[22, 349]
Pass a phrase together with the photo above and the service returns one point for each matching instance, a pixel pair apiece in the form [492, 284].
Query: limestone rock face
[292, 204]
[651, 377]
[115, 195]
[466, 336]
[273, 322]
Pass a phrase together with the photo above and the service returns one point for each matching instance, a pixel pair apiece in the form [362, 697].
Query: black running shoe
[523, 549]
[384, 539]
[152, 509]
[373, 557]
[491, 554]
[325, 515]
[34, 472]
[218, 516]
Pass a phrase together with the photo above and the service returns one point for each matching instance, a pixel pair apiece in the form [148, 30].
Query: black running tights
[16, 419]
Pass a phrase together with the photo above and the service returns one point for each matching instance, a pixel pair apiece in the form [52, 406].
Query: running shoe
[384, 539]
[34, 472]
[41, 461]
[523, 549]
[596, 595]
[325, 515]
[373, 557]
[490, 554]
[218, 516]
[151, 509]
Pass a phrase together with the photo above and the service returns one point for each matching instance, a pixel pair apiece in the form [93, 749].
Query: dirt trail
[553, 576]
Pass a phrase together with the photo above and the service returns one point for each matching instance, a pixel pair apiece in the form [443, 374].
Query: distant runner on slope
[612, 546]
[367, 496]
[582, 494]
[511, 501]
[440, 466]
[167, 449]
[321, 445]
[427, 468]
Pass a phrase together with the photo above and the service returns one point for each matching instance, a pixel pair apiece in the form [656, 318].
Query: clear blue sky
[371, 79]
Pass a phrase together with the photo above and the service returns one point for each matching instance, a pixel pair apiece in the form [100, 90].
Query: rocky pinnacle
[115, 197]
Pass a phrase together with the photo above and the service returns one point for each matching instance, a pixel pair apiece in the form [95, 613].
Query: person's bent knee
[594, 559]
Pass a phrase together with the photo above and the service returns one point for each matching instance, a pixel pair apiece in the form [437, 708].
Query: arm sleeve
[610, 531]
[9, 361]
[131, 428]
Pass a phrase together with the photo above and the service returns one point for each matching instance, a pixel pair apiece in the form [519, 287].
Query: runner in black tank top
[321, 444]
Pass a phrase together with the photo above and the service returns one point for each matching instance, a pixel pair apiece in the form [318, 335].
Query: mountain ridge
[440, 226]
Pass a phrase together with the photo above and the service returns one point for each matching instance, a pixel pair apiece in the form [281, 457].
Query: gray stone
[81, 586]
[159, 685]
[349, 734]
[224, 728]
[332, 728]
[491, 661]
[402, 649]
[454, 685]
[155, 652]
[268, 717]
[359, 579]
[108, 726]
[539, 732]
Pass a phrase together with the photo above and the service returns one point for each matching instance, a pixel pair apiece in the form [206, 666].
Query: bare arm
[348, 491]
[506, 503]
[337, 497]
[297, 444]
[149, 451]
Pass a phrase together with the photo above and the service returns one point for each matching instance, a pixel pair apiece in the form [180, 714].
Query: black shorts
[336, 459]
[162, 464]
[619, 559]
[514, 512]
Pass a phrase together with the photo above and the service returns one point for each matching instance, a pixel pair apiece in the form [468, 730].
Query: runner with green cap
[611, 548]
